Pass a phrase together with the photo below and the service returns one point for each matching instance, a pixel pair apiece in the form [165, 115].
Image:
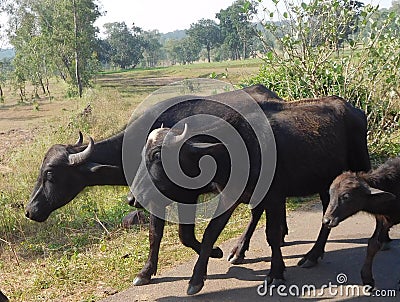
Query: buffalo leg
[237, 253]
[317, 251]
[211, 234]
[188, 238]
[374, 245]
[156, 231]
[385, 240]
[274, 232]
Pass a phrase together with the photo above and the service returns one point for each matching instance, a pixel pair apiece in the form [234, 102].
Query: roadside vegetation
[82, 253]
[338, 47]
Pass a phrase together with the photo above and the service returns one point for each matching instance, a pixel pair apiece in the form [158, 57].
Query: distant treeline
[233, 37]
[52, 38]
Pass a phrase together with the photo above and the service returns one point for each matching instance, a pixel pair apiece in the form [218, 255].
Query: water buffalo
[3, 298]
[376, 192]
[315, 140]
[67, 169]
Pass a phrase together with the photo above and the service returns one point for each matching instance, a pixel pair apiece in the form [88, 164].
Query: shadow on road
[343, 261]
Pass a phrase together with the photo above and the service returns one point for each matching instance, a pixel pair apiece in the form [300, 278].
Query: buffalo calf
[315, 140]
[376, 192]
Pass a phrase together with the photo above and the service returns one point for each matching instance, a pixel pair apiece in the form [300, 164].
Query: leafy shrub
[338, 47]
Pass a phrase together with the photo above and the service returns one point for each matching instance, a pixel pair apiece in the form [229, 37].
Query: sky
[164, 15]
[169, 15]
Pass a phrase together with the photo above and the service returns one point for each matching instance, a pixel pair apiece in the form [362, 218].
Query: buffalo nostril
[130, 199]
[326, 220]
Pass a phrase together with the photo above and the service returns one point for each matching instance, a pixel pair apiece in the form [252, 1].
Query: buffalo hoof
[141, 281]
[194, 289]
[217, 253]
[274, 281]
[306, 263]
[369, 283]
[235, 259]
[369, 286]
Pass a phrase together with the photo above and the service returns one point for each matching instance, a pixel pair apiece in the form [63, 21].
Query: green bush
[338, 47]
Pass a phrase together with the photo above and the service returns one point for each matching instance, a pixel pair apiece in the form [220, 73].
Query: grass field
[71, 257]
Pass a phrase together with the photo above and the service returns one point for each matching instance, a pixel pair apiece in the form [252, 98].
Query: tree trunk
[77, 58]
[66, 64]
[22, 93]
[42, 85]
[1, 95]
[47, 88]
[35, 93]
[237, 54]
[208, 54]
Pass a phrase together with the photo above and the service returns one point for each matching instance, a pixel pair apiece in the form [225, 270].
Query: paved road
[345, 252]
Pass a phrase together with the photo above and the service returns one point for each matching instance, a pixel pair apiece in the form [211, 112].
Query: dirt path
[345, 252]
[20, 123]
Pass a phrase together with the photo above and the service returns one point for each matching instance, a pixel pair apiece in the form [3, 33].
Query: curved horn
[175, 139]
[81, 157]
[80, 140]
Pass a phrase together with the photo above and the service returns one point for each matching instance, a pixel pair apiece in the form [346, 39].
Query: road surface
[335, 278]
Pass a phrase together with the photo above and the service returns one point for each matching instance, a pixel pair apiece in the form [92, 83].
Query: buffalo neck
[108, 152]
[388, 208]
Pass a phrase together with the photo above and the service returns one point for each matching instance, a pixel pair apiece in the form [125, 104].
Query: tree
[51, 35]
[2, 36]
[74, 36]
[126, 44]
[103, 51]
[364, 71]
[5, 71]
[23, 35]
[385, 14]
[207, 33]
[184, 51]
[5, 64]
[237, 31]
[151, 47]
[334, 26]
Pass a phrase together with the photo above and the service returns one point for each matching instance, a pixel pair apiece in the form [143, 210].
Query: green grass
[71, 257]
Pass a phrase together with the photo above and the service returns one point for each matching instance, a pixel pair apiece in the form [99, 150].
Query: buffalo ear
[381, 196]
[96, 167]
[206, 148]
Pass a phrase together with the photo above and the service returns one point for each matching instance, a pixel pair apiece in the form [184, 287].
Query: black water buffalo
[376, 192]
[67, 169]
[315, 141]
[3, 298]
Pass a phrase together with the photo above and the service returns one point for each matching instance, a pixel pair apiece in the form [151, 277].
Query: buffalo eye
[343, 198]
[49, 176]
[156, 155]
